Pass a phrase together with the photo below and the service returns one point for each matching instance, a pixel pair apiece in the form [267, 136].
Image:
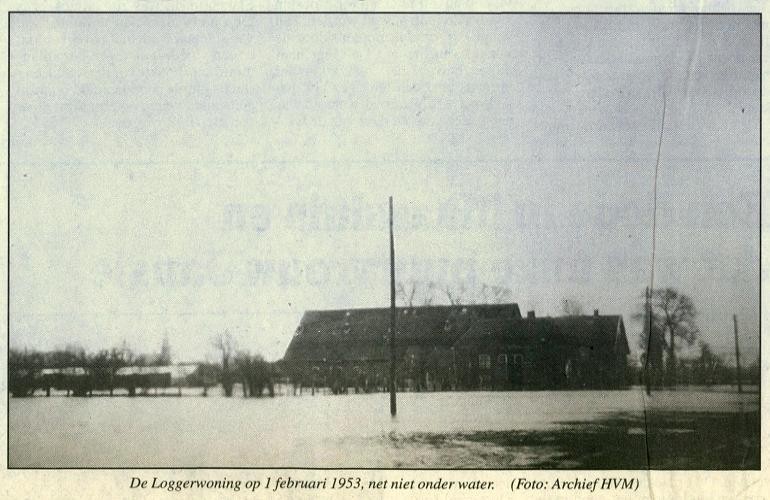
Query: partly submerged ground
[664, 440]
[682, 429]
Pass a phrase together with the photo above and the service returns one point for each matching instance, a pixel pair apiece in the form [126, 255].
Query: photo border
[360, 13]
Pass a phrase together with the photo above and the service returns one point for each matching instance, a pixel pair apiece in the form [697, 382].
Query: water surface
[314, 431]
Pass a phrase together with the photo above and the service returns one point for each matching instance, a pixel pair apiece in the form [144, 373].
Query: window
[502, 360]
[485, 361]
[518, 359]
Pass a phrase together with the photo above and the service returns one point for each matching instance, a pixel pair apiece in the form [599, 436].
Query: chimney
[596, 313]
[530, 314]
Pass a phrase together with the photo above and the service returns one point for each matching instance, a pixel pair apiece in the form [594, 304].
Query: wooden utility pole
[392, 316]
[737, 354]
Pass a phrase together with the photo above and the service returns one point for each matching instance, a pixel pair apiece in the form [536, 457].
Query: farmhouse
[487, 346]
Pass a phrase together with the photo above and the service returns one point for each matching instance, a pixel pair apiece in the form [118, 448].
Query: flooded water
[312, 431]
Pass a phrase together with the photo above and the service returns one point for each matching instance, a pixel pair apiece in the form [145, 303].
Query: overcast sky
[180, 175]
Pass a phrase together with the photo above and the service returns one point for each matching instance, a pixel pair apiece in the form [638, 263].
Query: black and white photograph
[482, 241]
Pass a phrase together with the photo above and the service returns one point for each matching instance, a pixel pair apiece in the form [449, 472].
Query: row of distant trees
[255, 375]
[74, 355]
[25, 365]
[418, 293]
[707, 368]
[426, 293]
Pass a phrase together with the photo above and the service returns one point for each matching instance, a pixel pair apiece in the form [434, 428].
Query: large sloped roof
[363, 333]
[596, 330]
[581, 329]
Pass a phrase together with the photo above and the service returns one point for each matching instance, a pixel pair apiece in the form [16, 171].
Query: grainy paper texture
[203, 278]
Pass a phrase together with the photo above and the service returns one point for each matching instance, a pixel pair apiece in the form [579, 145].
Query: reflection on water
[312, 431]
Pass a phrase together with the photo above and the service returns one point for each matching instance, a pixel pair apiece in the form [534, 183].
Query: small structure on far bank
[83, 381]
[154, 377]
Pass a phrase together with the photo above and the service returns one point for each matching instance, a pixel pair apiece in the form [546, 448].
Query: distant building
[133, 377]
[72, 371]
[73, 378]
[458, 347]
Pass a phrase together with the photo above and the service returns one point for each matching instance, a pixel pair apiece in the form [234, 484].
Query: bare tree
[456, 295]
[225, 344]
[672, 316]
[407, 292]
[486, 294]
[571, 307]
[429, 292]
[677, 313]
[413, 293]
[499, 294]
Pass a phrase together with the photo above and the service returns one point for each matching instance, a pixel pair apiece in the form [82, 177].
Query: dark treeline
[81, 373]
[667, 318]
[255, 374]
[707, 369]
[252, 371]
[75, 370]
